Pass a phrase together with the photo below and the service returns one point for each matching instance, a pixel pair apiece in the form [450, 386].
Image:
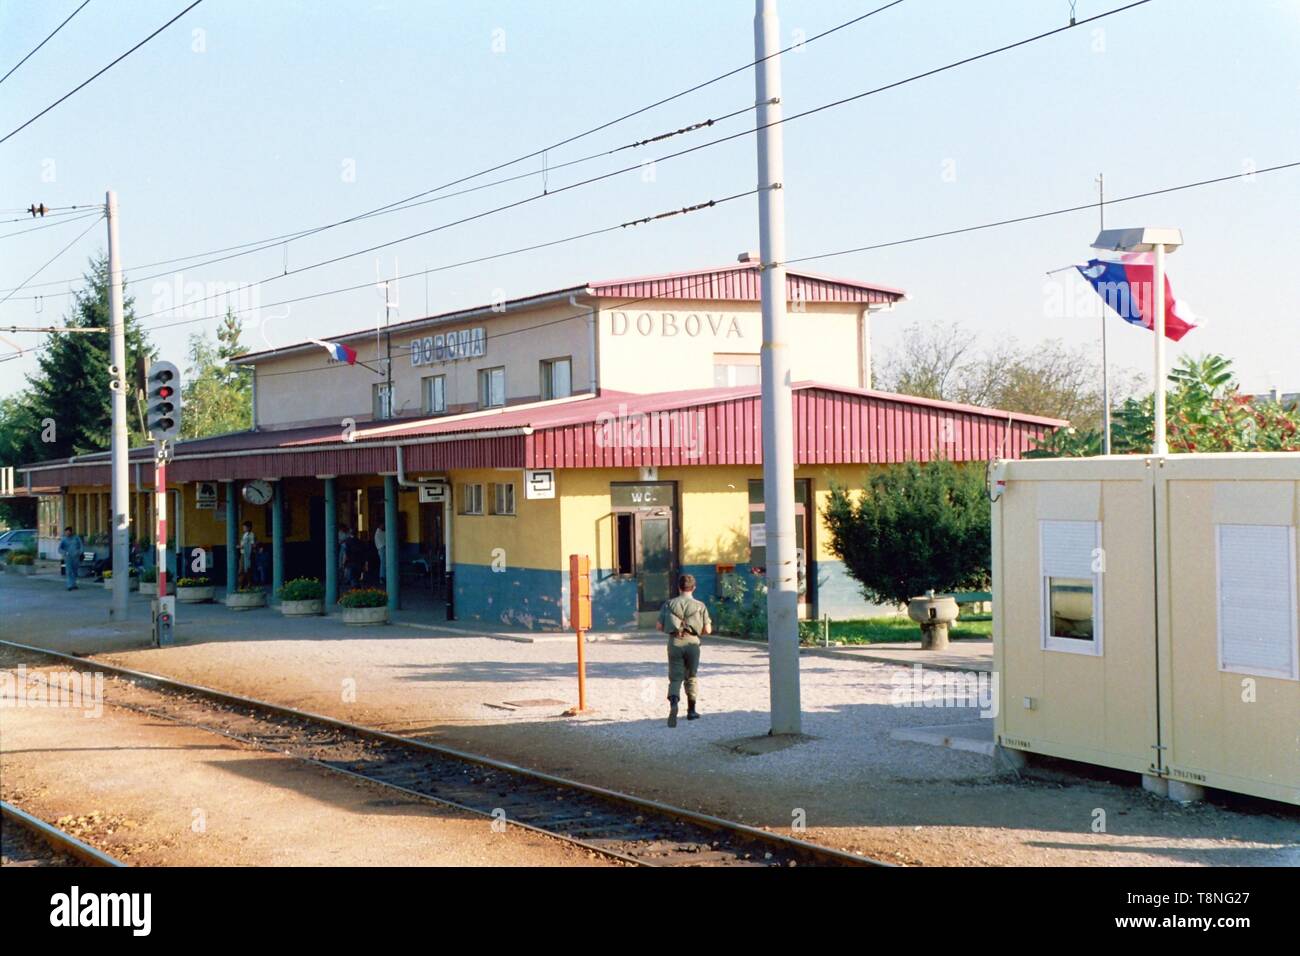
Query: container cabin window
[492, 387]
[1070, 579]
[1256, 570]
[557, 378]
[435, 394]
[471, 499]
[503, 498]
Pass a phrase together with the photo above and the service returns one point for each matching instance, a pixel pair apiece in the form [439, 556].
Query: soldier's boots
[672, 711]
[691, 713]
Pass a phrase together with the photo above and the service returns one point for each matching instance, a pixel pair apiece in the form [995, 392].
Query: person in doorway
[247, 544]
[349, 558]
[685, 620]
[70, 547]
[262, 565]
[380, 540]
[369, 562]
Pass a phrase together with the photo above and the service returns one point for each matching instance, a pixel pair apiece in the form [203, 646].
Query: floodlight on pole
[1157, 240]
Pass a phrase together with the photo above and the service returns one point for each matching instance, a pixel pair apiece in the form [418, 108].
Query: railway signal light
[163, 401]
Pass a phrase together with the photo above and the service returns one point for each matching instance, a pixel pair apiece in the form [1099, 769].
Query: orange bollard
[580, 618]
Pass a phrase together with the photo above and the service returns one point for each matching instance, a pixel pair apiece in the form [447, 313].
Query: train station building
[617, 419]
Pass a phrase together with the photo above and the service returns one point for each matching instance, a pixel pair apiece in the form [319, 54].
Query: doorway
[803, 536]
[645, 545]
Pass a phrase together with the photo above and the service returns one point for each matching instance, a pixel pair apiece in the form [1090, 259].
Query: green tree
[68, 395]
[1047, 378]
[217, 396]
[19, 441]
[914, 528]
[1205, 411]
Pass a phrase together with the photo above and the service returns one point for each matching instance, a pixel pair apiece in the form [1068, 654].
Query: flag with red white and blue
[1127, 284]
[338, 351]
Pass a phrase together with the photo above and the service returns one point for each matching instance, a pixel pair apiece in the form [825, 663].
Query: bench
[974, 600]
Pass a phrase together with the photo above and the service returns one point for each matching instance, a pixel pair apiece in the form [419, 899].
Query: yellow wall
[528, 539]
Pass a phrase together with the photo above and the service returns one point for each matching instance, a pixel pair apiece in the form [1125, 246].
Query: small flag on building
[338, 352]
[1126, 286]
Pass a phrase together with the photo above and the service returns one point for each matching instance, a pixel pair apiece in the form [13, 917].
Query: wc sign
[539, 484]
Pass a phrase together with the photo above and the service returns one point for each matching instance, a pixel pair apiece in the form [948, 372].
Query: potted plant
[149, 576]
[133, 580]
[195, 590]
[916, 532]
[302, 597]
[365, 606]
[23, 562]
[245, 599]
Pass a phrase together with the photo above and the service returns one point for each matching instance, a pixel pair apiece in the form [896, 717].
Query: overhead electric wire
[1042, 215]
[277, 241]
[50, 225]
[682, 152]
[99, 73]
[397, 205]
[686, 210]
[43, 42]
[52, 258]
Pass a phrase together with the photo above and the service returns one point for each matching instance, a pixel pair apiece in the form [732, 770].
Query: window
[434, 389]
[471, 499]
[1257, 600]
[503, 498]
[383, 400]
[491, 387]
[735, 369]
[1070, 566]
[557, 378]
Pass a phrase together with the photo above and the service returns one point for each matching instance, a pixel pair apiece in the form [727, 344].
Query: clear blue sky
[252, 137]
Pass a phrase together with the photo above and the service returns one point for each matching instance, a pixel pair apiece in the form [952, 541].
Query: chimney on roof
[749, 256]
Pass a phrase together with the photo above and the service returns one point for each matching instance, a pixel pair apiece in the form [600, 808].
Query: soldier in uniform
[684, 620]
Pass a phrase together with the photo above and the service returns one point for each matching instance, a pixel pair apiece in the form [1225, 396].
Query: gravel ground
[225, 804]
[846, 781]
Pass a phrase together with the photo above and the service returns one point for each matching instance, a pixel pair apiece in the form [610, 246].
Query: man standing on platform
[71, 546]
[684, 620]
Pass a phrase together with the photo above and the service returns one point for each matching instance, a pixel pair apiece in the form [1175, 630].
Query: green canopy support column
[232, 538]
[331, 544]
[389, 557]
[277, 539]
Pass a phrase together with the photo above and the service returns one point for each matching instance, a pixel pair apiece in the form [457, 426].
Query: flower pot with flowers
[365, 606]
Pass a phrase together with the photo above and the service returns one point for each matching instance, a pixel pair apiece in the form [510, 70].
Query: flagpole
[1161, 443]
[1105, 362]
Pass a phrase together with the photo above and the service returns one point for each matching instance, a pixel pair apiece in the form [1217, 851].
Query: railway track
[615, 825]
[46, 842]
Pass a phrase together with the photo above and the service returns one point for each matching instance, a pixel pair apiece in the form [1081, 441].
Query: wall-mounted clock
[258, 492]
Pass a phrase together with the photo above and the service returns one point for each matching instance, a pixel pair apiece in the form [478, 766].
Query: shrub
[149, 575]
[301, 589]
[364, 597]
[199, 582]
[742, 610]
[132, 573]
[915, 528]
[22, 558]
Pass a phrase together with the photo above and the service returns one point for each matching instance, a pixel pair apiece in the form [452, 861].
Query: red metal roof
[718, 426]
[742, 283]
[731, 283]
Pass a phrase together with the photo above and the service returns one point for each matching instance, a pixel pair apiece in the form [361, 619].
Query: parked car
[19, 539]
